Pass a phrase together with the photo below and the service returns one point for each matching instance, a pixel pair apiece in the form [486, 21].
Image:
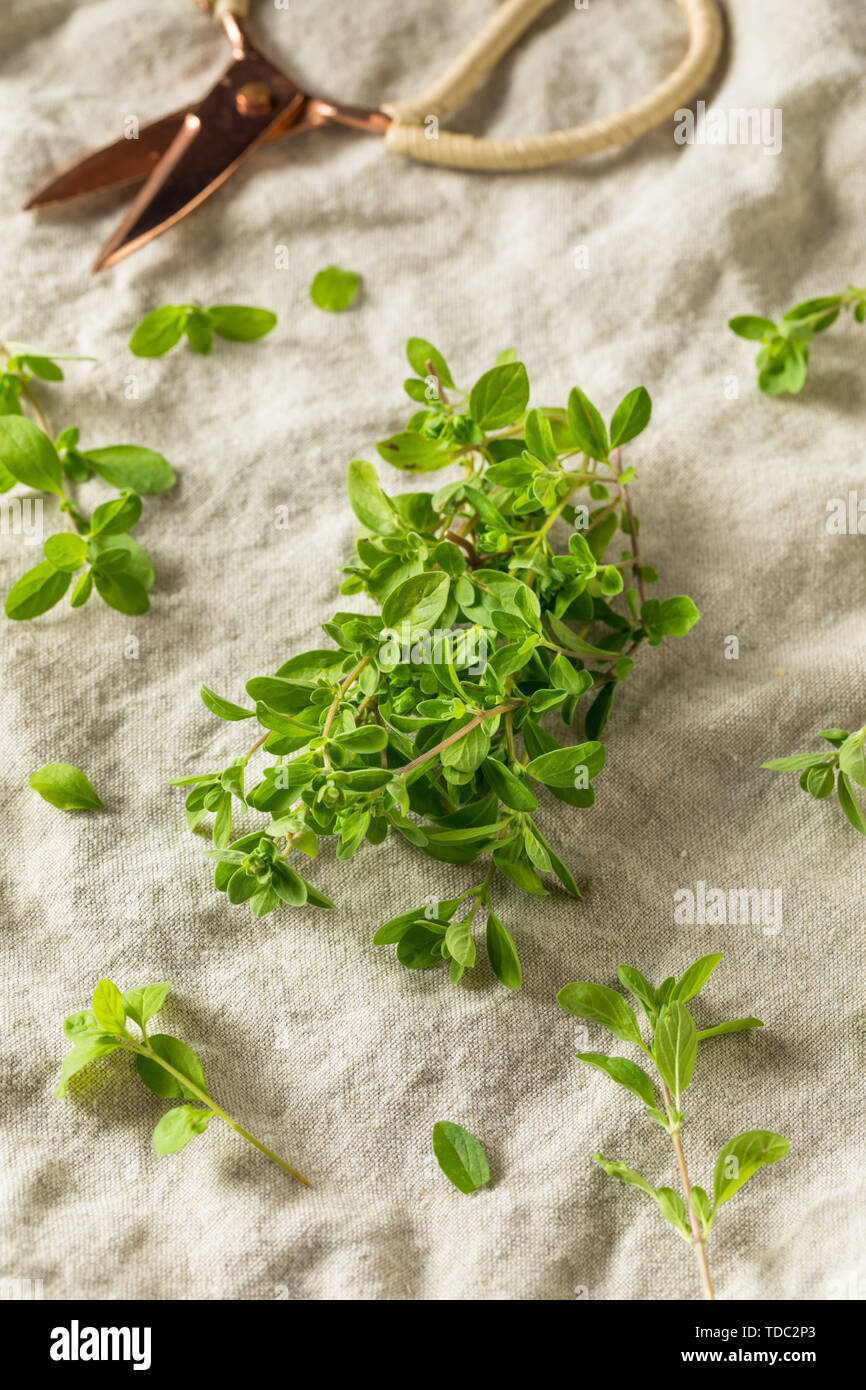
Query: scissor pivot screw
[254, 99]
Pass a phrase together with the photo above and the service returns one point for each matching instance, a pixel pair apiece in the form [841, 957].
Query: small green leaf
[181, 1058]
[82, 590]
[820, 782]
[418, 602]
[834, 736]
[10, 391]
[701, 1205]
[563, 676]
[128, 466]
[852, 757]
[797, 762]
[539, 437]
[414, 452]
[78, 1056]
[460, 943]
[419, 352]
[199, 331]
[601, 1005]
[138, 566]
[674, 1048]
[108, 1007]
[371, 738]
[367, 500]
[640, 987]
[678, 616]
[142, 1003]
[224, 709]
[37, 365]
[631, 416]
[500, 396]
[65, 551]
[83, 1025]
[673, 1209]
[514, 791]
[615, 1169]
[239, 323]
[741, 1157]
[36, 591]
[418, 947]
[29, 455]
[334, 289]
[623, 1072]
[116, 517]
[849, 804]
[502, 953]
[178, 1126]
[736, 1025]
[122, 592]
[158, 331]
[752, 326]
[288, 885]
[460, 1156]
[587, 426]
[559, 767]
[694, 979]
[65, 786]
[809, 307]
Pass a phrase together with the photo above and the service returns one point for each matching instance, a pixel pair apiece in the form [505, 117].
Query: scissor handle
[410, 136]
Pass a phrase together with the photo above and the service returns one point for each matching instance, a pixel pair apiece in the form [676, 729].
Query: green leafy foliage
[98, 549]
[500, 603]
[163, 328]
[672, 1049]
[334, 289]
[783, 358]
[460, 1156]
[837, 767]
[167, 1066]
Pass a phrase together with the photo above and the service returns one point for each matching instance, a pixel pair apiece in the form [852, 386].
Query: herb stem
[698, 1240]
[632, 526]
[148, 1051]
[453, 738]
[344, 686]
[258, 743]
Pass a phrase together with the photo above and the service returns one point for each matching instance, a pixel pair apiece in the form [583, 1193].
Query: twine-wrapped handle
[409, 135]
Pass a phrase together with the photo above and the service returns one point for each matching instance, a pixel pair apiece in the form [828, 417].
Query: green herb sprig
[168, 1067]
[425, 720]
[163, 328]
[783, 359]
[98, 548]
[821, 773]
[672, 1050]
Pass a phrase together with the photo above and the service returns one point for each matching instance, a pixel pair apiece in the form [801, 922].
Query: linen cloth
[609, 273]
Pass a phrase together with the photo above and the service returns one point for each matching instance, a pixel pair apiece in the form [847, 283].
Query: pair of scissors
[184, 157]
[187, 155]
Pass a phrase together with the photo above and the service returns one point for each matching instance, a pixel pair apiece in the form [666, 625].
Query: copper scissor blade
[122, 162]
[214, 138]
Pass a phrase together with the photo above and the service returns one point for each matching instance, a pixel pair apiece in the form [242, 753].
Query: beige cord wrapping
[409, 135]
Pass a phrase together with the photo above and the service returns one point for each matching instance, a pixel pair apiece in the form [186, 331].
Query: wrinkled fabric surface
[611, 273]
